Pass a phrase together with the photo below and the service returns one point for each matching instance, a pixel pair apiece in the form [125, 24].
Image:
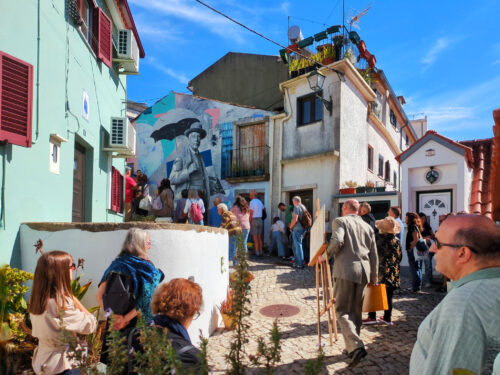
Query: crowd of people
[461, 332]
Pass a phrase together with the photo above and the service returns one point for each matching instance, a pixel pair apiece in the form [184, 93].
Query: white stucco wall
[454, 174]
[317, 174]
[353, 135]
[179, 251]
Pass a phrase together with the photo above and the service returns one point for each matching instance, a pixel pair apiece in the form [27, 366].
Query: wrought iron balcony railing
[245, 162]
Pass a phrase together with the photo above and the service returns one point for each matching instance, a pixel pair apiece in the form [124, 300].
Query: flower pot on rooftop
[348, 191]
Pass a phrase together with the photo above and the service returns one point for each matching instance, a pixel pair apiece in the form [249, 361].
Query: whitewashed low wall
[179, 250]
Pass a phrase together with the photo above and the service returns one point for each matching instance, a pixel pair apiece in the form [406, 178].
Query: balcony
[246, 164]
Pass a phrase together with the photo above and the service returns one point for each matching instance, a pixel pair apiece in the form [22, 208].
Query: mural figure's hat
[196, 127]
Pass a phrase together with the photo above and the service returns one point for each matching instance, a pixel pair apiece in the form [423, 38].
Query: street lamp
[316, 80]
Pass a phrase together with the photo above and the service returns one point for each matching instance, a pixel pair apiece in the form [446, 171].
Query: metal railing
[245, 162]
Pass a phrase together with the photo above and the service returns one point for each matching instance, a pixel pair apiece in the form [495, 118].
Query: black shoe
[357, 355]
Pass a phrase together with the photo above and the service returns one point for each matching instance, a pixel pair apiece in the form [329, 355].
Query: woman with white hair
[133, 262]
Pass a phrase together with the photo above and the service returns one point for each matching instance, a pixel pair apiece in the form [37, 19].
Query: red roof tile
[495, 168]
[480, 198]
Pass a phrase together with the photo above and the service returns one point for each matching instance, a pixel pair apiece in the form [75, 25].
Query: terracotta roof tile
[495, 168]
[480, 199]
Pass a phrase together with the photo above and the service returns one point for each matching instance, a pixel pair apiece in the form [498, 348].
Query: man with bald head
[463, 331]
[356, 263]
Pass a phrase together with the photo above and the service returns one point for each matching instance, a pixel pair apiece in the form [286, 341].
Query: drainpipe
[280, 134]
[37, 103]
[401, 149]
[2, 197]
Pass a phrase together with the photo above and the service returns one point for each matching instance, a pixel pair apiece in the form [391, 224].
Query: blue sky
[442, 56]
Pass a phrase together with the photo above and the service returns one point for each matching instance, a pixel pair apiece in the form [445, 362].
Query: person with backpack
[301, 221]
[163, 203]
[128, 284]
[195, 208]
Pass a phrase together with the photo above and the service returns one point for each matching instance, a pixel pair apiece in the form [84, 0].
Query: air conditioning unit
[122, 138]
[127, 52]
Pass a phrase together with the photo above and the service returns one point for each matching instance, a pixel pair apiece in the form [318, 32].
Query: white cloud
[439, 46]
[181, 77]
[496, 62]
[193, 12]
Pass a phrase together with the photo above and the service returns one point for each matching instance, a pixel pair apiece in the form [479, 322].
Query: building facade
[63, 79]
[234, 145]
[317, 152]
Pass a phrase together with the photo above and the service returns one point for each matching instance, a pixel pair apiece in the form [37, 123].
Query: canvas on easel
[323, 274]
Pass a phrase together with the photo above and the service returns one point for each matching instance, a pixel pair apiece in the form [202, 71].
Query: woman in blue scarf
[134, 261]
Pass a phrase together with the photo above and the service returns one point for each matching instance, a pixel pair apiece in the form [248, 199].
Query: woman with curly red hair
[176, 304]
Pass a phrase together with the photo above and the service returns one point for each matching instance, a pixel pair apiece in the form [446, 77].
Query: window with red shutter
[102, 42]
[16, 100]
[116, 190]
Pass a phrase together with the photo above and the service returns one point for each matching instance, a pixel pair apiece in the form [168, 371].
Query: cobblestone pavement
[389, 347]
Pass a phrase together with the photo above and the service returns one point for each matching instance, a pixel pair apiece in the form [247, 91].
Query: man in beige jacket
[354, 249]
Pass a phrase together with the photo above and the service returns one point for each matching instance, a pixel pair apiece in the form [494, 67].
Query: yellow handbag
[375, 298]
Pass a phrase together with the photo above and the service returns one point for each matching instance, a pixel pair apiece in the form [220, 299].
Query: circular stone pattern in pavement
[279, 311]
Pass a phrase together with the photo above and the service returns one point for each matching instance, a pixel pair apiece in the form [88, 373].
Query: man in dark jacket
[365, 211]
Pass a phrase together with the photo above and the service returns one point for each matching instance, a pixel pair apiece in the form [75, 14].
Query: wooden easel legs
[323, 273]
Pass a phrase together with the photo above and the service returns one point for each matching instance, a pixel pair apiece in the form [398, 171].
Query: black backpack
[119, 293]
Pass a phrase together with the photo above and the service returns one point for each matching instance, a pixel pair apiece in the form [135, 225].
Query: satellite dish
[294, 34]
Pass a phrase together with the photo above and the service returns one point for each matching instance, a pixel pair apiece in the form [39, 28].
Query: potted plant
[294, 68]
[361, 189]
[226, 309]
[327, 53]
[350, 187]
[370, 186]
[380, 189]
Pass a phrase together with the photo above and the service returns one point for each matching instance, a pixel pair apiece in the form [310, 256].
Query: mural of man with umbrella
[189, 170]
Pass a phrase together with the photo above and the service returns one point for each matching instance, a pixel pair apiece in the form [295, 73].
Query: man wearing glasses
[463, 331]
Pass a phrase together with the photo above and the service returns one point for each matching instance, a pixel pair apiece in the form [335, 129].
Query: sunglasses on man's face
[439, 245]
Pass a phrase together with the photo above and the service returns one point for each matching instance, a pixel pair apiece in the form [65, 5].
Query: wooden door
[252, 142]
[79, 185]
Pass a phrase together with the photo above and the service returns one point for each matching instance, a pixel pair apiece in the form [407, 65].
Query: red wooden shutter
[115, 190]
[16, 100]
[103, 31]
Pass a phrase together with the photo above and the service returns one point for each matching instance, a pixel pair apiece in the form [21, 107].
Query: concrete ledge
[374, 194]
[105, 227]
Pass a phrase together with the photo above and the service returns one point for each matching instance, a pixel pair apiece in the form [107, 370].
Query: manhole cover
[279, 311]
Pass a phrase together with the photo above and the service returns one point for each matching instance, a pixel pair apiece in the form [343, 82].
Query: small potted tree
[350, 187]
[226, 310]
[370, 186]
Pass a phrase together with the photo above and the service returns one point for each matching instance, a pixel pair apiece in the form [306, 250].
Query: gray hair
[222, 206]
[135, 243]
[352, 205]
[297, 199]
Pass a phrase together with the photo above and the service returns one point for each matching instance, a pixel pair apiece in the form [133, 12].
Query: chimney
[402, 100]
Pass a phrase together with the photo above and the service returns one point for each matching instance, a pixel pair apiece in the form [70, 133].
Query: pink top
[243, 218]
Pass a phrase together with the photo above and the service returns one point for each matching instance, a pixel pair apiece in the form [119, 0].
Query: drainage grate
[279, 311]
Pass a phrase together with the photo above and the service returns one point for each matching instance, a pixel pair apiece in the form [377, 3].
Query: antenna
[354, 21]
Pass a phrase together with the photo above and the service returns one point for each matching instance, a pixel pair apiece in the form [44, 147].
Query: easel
[323, 273]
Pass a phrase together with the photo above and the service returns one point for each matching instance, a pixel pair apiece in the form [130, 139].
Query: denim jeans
[232, 247]
[428, 268]
[277, 237]
[415, 271]
[192, 222]
[244, 238]
[298, 236]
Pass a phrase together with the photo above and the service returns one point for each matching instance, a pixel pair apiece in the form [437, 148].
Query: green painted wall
[67, 66]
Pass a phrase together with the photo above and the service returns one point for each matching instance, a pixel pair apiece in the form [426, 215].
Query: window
[309, 109]
[395, 180]
[387, 175]
[370, 158]
[87, 15]
[381, 166]
[117, 182]
[16, 100]
[392, 118]
[97, 29]
[407, 141]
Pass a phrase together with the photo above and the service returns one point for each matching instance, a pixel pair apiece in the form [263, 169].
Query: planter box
[328, 60]
[361, 190]
[348, 191]
[370, 189]
[380, 189]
